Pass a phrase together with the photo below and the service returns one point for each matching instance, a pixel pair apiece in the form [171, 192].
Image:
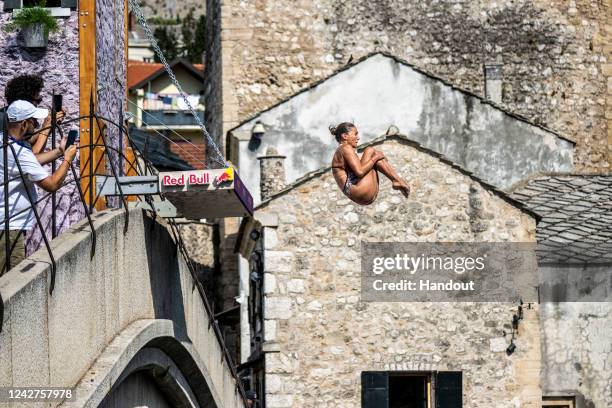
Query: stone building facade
[554, 56]
[575, 243]
[111, 68]
[381, 91]
[58, 64]
[319, 336]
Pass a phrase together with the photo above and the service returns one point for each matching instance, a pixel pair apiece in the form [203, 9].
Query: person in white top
[23, 120]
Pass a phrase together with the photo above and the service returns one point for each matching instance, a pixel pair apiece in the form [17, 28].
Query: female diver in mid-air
[358, 178]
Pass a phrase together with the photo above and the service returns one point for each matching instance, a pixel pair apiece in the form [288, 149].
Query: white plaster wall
[576, 348]
[380, 92]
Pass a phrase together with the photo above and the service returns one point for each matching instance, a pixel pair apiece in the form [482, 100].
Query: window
[17, 4]
[409, 391]
[383, 389]
[558, 402]
[48, 3]
[256, 297]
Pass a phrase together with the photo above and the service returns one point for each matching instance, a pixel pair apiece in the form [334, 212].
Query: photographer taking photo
[23, 121]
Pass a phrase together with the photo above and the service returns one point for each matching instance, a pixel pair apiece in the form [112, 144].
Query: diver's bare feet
[403, 187]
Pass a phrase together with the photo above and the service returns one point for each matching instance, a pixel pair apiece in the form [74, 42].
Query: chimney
[493, 81]
[271, 173]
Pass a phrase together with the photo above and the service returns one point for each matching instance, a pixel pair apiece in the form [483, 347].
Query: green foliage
[192, 32]
[160, 21]
[168, 43]
[193, 37]
[32, 15]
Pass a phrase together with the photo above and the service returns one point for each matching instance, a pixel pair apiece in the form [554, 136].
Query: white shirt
[18, 198]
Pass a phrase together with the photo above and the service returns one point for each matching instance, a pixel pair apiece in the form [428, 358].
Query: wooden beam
[87, 91]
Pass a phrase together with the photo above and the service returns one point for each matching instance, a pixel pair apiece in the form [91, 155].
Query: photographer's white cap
[22, 110]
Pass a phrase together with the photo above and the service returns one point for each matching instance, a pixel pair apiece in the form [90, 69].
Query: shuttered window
[374, 389]
[449, 393]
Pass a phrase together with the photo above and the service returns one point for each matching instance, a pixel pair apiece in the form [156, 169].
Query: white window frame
[57, 12]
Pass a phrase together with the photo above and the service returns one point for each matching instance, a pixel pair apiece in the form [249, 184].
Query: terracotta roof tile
[138, 71]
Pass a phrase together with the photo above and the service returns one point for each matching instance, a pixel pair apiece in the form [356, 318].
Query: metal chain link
[142, 21]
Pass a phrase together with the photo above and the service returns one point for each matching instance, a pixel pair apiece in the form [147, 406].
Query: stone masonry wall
[555, 55]
[217, 102]
[213, 71]
[58, 64]
[320, 336]
[111, 71]
[272, 173]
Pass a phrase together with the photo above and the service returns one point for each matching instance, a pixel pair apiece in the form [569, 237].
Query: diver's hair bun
[340, 129]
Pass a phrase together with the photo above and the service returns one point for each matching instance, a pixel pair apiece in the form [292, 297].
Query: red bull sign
[204, 193]
[199, 179]
[182, 179]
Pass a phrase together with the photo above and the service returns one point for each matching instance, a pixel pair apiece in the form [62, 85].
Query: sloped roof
[417, 69]
[576, 211]
[501, 194]
[157, 151]
[139, 73]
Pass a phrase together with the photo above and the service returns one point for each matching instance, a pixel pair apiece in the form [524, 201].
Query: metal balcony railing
[116, 159]
[176, 119]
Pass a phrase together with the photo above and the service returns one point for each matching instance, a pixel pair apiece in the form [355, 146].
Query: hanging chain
[135, 8]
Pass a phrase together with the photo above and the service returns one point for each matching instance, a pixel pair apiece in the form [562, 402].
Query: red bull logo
[227, 175]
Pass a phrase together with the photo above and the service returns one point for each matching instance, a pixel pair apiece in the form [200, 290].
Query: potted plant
[35, 24]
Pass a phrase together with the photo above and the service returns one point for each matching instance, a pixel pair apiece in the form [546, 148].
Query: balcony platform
[215, 193]
[196, 194]
[159, 119]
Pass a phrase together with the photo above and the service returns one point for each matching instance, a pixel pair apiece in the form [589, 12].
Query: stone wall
[58, 64]
[111, 72]
[172, 8]
[554, 54]
[202, 244]
[381, 91]
[213, 91]
[135, 293]
[320, 336]
[272, 173]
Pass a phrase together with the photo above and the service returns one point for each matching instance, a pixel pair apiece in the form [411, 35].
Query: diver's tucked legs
[367, 154]
[385, 168]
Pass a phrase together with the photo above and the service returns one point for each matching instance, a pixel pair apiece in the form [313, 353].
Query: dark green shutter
[12, 4]
[69, 3]
[374, 389]
[449, 393]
